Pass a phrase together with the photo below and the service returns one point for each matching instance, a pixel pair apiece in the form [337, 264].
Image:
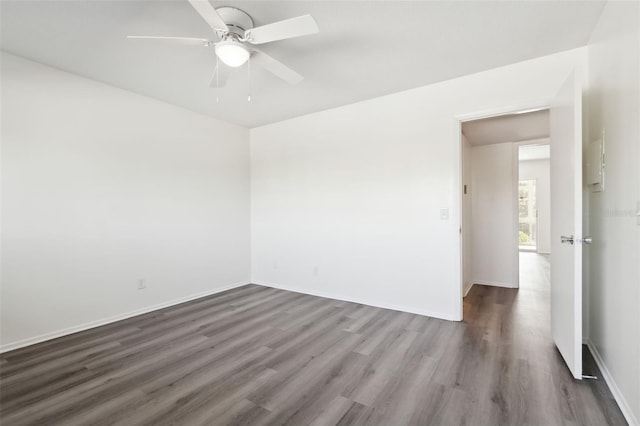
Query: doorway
[534, 210]
[505, 183]
[564, 127]
[534, 197]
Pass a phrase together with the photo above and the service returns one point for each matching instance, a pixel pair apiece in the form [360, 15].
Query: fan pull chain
[249, 79]
[217, 79]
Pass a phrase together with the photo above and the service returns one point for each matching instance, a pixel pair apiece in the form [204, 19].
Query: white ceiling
[507, 128]
[365, 49]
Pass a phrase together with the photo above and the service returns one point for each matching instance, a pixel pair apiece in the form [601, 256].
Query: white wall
[539, 170]
[101, 187]
[494, 223]
[346, 202]
[614, 105]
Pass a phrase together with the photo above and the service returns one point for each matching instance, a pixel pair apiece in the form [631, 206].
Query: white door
[566, 223]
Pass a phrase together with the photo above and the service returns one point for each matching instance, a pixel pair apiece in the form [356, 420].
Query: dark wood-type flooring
[257, 355]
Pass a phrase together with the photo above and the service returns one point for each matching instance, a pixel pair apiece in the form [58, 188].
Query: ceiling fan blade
[191, 41]
[220, 76]
[275, 67]
[294, 27]
[209, 14]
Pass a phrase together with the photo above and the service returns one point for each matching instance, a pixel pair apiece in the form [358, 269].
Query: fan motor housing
[237, 20]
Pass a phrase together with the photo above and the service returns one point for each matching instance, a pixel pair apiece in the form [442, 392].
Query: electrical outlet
[142, 284]
[316, 271]
[444, 213]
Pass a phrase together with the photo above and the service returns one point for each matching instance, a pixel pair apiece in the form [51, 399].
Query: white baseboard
[467, 289]
[93, 324]
[495, 284]
[362, 301]
[622, 402]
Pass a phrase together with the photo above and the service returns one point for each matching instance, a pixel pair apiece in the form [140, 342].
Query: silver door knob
[587, 240]
[565, 239]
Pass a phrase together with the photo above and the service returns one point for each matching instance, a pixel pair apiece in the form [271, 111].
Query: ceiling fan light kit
[232, 53]
[235, 29]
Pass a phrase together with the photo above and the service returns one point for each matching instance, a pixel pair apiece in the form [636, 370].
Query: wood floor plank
[262, 356]
[332, 412]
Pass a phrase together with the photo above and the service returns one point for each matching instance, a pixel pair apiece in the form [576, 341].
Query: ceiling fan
[236, 33]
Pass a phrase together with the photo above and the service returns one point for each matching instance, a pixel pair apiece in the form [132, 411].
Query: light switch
[444, 213]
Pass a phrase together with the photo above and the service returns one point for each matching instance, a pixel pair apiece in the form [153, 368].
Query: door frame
[458, 119]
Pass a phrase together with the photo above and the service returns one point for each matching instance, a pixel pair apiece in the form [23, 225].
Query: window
[527, 213]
